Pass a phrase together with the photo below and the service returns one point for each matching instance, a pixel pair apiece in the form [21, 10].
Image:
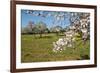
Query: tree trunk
[41, 34]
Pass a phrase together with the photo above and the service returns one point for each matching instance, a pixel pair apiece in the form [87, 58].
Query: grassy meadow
[36, 49]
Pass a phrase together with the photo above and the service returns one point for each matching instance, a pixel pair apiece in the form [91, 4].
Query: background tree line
[41, 28]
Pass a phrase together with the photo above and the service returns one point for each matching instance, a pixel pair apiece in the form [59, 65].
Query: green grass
[36, 49]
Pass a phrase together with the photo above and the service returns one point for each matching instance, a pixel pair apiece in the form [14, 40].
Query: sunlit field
[54, 36]
[36, 49]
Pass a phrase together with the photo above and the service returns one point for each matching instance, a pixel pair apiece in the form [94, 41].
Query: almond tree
[41, 27]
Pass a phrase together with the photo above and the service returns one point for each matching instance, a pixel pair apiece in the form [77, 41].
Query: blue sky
[49, 19]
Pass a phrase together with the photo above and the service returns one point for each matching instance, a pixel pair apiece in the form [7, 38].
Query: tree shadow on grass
[83, 57]
[44, 37]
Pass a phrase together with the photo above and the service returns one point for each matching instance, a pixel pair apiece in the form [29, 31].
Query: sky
[50, 18]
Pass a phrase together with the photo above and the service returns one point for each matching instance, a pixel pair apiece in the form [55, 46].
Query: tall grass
[36, 49]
